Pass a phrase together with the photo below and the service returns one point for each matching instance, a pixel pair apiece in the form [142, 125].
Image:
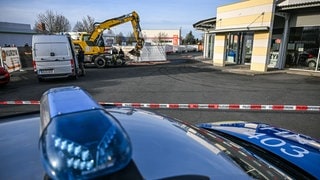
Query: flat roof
[297, 4]
[9, 27]
[205, 24]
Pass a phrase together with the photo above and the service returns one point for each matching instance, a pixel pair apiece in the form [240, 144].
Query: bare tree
[160, 39]
[49, 22]
[86, 25]
[62, 24]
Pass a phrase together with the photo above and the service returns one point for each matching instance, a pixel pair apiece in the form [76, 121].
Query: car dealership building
[265, 34]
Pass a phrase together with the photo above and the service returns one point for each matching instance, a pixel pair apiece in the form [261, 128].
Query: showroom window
[303, 48]
[232, 47]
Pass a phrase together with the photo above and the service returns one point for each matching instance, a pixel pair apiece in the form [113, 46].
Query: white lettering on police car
[299, 151]
[288, 135]
[254, 135]
[276, 142]
[293, 151]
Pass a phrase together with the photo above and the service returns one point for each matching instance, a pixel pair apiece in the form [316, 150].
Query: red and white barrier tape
[256, 107]
[218, 106]
[19, 102]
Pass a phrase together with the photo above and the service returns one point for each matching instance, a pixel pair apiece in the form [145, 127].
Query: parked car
[309, 57]
[312, 62]
[4, 76]
[80, 139]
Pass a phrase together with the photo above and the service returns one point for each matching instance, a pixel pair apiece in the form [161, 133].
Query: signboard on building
[10, 59]
[273, 62]
[175, 41]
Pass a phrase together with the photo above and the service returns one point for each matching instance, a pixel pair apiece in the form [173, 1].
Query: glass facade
[303, 48]
[210, 46]
[239, 47]
[247, 47]
[232, 47]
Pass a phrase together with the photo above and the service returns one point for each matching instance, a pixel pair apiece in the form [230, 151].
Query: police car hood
[298, 149]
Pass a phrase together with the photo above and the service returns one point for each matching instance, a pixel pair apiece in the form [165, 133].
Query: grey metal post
[284, 42]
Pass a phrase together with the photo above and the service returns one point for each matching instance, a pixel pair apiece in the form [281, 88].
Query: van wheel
[40, 79]
[100, 62]
[75, 77]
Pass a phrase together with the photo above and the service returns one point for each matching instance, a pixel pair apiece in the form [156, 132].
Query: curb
[239, 69]
[146, 63]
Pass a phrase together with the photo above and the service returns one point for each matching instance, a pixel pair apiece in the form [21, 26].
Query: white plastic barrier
[185, 48]
[10, 59]
[153, 53]
[148, 53]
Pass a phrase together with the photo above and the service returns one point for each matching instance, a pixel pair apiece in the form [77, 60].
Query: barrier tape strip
[218, 106]
[19, 102]
[256, 107]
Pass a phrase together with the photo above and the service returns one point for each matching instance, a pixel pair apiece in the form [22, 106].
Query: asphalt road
[184, 80]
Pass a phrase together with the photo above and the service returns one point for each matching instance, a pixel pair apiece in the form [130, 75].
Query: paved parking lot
[185, 80]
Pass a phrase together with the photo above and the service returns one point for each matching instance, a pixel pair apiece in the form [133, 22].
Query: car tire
[100, 62]
[311, 64]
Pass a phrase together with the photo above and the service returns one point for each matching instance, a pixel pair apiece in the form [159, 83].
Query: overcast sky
[154, 14]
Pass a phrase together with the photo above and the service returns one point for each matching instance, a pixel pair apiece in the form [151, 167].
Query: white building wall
[170, 37]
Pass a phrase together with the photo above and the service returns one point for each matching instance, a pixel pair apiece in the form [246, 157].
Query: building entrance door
[247, 42]
[232, 47]
[239, 47]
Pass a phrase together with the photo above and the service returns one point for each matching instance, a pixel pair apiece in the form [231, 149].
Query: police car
[74, 137]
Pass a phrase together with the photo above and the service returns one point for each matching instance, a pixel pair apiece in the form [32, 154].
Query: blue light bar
[78, 138]
[69, 99]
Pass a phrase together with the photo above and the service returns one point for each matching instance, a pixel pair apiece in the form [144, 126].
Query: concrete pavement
[245, 69]
[229, 68]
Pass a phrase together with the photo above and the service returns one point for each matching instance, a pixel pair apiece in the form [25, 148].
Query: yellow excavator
[93, 44]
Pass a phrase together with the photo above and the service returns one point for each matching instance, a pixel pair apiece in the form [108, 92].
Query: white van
[54, 56]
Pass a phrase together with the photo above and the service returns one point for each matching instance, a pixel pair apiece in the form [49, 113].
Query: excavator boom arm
[107, 24]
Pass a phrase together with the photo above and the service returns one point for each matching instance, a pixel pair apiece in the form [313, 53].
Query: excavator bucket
[135, 52]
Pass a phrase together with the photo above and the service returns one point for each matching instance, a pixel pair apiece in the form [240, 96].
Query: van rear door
[53, 58]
